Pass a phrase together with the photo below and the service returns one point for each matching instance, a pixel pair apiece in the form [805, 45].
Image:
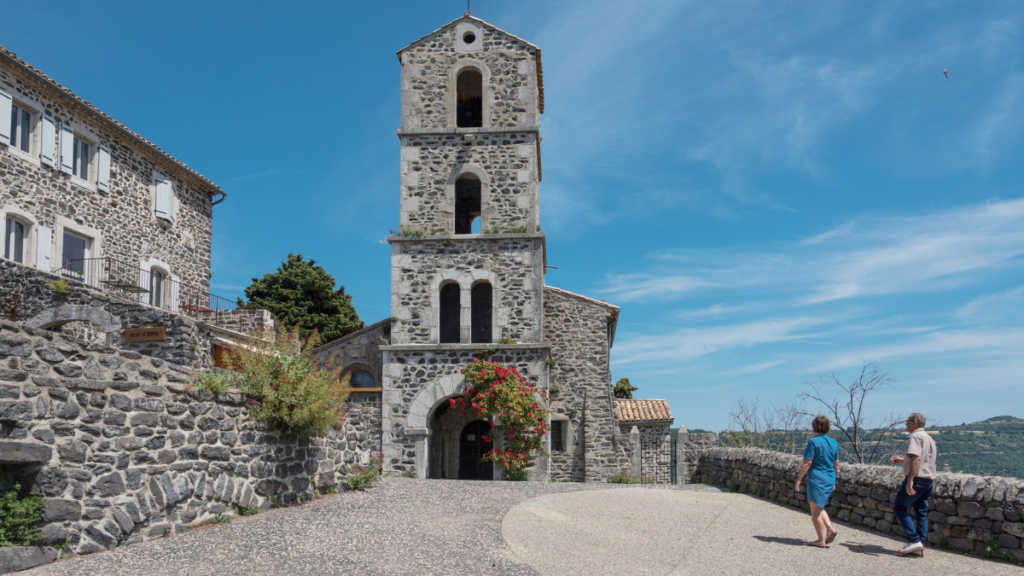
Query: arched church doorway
[472, 447]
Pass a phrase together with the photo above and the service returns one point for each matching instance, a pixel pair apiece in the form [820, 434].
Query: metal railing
[152, 287]
[9, 306]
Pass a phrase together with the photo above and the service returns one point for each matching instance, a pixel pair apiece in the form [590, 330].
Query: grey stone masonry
[418, 378]
[967, 512]
[577, 328]
[508, 65]
[119, 222]
[512, 263]
[137, 453]
[655, 450]
[689, 447]
[40, 306]
[359, 350]
[506, 164]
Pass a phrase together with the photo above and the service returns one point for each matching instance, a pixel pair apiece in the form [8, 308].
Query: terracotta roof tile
[117, 125]
[631, 410]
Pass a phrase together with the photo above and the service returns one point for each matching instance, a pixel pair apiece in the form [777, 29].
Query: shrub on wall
[19, 518]
[497, 393]
[287, 386]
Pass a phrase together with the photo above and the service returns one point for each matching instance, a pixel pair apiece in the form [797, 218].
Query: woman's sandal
[831, 537]
[817, 544]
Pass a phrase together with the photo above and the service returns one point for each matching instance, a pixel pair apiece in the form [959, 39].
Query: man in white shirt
[919, 472]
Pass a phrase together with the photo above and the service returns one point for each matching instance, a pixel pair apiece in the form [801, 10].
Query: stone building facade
[468, 266]
[76, 184]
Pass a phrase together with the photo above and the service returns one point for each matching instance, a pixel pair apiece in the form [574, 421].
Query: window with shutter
[103, 178]
[44, 248]
[67, 149]
[47, 148]
[6, 102]
[164, 206]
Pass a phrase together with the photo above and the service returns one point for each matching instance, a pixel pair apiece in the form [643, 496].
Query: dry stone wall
[131, 452]
[124, 216]
[505, 163]
[513, 264]
[967, 512]
[689, 447]
[40, 307]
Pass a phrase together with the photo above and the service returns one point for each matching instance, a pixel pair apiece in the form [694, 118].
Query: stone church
[468, 268]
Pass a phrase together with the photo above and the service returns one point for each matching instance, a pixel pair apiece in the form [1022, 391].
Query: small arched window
[481, 313]
[467, 203]
[469, 111]
[362, 379]
[450, 308]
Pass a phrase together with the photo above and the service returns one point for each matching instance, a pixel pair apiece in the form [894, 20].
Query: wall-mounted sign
[154, 334]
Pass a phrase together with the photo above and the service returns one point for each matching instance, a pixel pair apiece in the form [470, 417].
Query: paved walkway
[446, 527]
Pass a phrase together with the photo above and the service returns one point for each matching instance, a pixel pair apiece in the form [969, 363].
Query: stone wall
[129, 452]
[122, 220]
[967, 512]
[513, 264]
[359, 350]
[241, 321]
[509, 67]
[417, 380]
[577, 329]
[689, 447]
[506, 164]
[655, 450]
[40, 307]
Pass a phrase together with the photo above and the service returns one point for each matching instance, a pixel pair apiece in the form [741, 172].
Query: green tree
[623, 389]
[302, 293]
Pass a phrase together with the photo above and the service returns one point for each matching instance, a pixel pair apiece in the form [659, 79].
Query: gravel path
[630, 531]
[404, 526]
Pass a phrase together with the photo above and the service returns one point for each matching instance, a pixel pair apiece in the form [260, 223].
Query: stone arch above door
[60, 315]
[427, 399]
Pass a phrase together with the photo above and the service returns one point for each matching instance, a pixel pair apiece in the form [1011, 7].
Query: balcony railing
[9, 306]
[152, 287]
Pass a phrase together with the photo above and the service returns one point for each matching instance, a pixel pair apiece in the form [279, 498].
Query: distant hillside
[993, 446]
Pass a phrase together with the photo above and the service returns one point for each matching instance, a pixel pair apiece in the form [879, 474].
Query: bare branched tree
[844, 404]
[775, 428]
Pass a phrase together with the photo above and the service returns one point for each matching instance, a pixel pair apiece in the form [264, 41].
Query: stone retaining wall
[124, 450]
[967, 512]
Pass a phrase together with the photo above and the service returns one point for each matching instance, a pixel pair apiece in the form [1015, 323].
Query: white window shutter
[44, 248]
[48, 149]
[144, 272]
[5, 117]
[103, 180]
[67, 149]
[164, 199]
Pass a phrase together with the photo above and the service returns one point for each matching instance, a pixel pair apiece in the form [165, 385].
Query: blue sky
[769, 190]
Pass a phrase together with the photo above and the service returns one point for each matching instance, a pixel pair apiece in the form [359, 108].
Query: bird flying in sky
[946, 72]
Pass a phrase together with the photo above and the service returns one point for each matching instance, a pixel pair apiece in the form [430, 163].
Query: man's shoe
[913, 549]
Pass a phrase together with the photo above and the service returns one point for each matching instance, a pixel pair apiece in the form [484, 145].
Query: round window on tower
[469, 37]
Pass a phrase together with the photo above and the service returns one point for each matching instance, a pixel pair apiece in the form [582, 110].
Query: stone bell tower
[467, 264]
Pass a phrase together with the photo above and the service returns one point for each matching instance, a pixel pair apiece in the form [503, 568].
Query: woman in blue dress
[821, 466]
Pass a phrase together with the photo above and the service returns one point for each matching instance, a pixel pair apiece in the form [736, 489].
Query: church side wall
[505, 163]
[578, 332]
[123, 216]
[515, 263]
[426, 75]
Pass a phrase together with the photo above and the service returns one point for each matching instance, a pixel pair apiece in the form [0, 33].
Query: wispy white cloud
[1001, 307]
[945, 343]
[866, 257]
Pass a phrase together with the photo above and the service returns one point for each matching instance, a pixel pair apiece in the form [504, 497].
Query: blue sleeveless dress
[822, 451]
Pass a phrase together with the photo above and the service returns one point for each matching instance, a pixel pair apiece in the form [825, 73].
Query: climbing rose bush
[497, 393]
[286, 386]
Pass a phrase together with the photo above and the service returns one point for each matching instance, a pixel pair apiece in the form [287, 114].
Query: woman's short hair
[821, 424]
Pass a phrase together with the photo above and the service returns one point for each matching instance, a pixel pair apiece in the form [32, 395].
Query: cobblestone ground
[404, 526]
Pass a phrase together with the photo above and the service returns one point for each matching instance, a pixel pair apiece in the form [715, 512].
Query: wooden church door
[472, 448]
